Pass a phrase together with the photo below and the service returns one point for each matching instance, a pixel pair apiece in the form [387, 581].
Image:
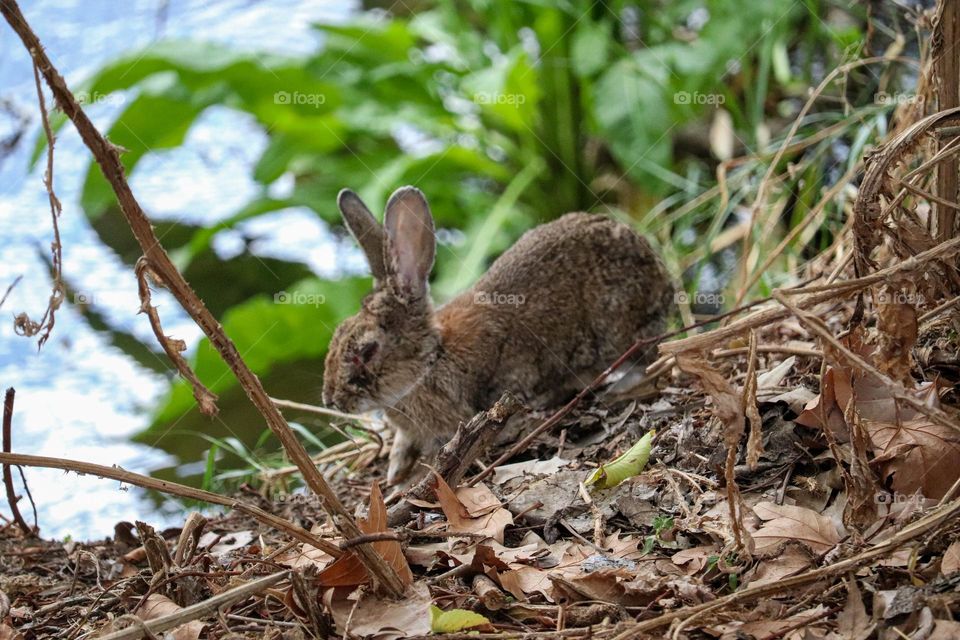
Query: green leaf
[625, 466]
[454, 620]
[507, 91]
[590, 48]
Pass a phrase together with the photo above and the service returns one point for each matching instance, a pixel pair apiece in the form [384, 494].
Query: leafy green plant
[660, 524]
[505, 114]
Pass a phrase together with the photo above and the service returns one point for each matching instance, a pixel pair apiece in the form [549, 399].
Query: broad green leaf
[623, 467]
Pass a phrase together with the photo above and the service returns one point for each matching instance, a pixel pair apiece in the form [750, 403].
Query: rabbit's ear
[410, 245]
[365, 229]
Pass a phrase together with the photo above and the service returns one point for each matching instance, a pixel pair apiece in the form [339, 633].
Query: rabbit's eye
[367, 351]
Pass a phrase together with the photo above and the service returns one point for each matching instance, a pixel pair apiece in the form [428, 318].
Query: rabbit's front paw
[403, 456]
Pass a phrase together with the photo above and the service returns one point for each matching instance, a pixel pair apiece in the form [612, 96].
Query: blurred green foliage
[504, 114]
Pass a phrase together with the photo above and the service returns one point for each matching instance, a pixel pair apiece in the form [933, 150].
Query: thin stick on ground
[172, 488]
[7, 476]
[108, 158]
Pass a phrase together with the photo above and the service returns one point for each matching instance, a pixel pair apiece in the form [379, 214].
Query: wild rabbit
[550, 314]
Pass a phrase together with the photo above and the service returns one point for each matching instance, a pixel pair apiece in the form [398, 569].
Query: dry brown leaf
[477, 501]
[945, 630]
[824, 412]
[788, 563]
[524, 581]
[695, 558]
[348, 570]
[918, 455]
[305, 555]
[852, 621]
[372, 616]
[604, 585]
[951, 559]
[473, 510]
[912, 452]
[158, 605]
[427, 555]
[785, 523]
[896, 334]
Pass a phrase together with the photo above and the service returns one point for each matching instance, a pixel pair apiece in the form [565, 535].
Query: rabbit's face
[377, 356]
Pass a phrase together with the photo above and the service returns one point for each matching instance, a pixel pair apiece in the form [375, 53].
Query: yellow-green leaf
[625, 466]
[454, 620]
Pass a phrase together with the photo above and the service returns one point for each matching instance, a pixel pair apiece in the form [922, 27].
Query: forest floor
[791, 537]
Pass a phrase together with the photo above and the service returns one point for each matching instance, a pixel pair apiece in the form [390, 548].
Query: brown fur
[550, 314]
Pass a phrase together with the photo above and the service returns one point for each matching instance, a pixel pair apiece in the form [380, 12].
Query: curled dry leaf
[348, 570]
[473, 510]
[784, 523]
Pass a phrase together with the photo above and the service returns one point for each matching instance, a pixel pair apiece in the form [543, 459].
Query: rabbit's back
[556, 309]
